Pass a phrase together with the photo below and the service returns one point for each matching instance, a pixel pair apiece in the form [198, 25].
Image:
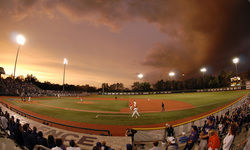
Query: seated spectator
[228, 140]
[99, 145]
[104, 146]
[183, 138]
[41, 140]
[73, 146]
[51, 142]
[172, 145]
[59, 145]
[214, 141]
[192, 138]
[155, 146]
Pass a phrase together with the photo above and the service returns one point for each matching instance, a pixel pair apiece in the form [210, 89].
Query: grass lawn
[203, 102]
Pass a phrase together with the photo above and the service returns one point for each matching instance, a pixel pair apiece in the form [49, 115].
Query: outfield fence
[177, 91]
[158, 134]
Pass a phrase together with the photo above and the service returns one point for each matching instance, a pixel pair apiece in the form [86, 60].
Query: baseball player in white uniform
[135, 113]
[134, 103]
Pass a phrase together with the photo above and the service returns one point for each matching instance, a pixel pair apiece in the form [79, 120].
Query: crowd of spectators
[13, 87]
[24, 136]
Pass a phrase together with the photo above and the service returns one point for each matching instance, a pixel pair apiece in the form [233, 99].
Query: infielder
[135, 112]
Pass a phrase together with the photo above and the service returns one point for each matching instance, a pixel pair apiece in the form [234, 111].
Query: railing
[47, 122]
[157, 134]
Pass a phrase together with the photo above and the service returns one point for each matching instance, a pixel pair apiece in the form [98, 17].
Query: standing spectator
[204, 134]
[169, 131]
[172, 145]
[214, 141]
[130, 132]
[228, 140]
[155, 146]
[4, 122]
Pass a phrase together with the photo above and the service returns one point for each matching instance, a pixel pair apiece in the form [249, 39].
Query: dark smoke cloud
[208, 32]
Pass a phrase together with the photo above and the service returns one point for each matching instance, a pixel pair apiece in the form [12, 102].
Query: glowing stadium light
[203, 70]
[20, 39]
[65, 61]
[236, 60]
[140, 76]
[171, 74]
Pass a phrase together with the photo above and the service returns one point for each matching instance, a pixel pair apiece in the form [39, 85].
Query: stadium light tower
[236, 61]
[65, 62]
[20, 39]
[203, 70]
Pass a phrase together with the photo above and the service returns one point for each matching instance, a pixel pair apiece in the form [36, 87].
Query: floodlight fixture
[236, 60]
[140, 76]
[65, 61]
[203, 70]
[171, 74]
[20, 39]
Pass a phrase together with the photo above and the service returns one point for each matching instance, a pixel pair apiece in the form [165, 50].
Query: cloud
[198, 32]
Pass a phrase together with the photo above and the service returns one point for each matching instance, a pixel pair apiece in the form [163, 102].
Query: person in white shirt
[73, 146]
[228, 140]
[59, 145]
[135, 112]
[3, 122]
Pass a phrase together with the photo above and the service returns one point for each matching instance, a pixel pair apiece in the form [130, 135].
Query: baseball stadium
[124, 75]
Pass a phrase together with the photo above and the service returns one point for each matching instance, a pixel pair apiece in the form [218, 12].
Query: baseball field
[107, 112]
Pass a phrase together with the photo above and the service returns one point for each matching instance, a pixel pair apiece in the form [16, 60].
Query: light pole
[65, 62]
[236, 61]
[171, 74]
[203, 70]
[20, 39]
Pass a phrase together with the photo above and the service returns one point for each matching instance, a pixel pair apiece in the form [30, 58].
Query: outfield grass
[203, 102]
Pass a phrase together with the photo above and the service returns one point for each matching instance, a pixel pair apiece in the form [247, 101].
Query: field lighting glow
[171, 74]
[236, 60]
[20, 39]
[65, 61]
[140, 76]
[203, 70]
